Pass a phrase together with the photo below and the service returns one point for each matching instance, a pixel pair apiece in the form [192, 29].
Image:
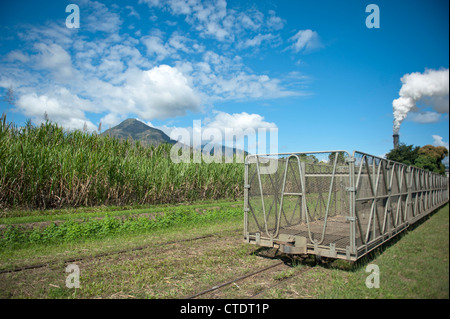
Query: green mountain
[138, 131]
[132, 128]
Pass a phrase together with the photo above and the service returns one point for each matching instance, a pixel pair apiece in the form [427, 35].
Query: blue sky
[312, 69]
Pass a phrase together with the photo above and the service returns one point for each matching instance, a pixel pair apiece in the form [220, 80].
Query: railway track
[72, 260]
[233, 281]
[280, 264]
[122, 251]
[301, 272]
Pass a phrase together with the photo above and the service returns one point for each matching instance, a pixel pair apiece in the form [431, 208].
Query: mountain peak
[137, 130]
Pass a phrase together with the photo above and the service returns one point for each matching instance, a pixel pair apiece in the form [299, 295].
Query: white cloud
[212, 19]
[106, 71]
[61, 107]
[306, 41]
[258, 40]
[17, 55]
[244, 86]
[150, 3]
[185, 44]
[223, 78]
[438, 141]
[239, 121]
[425, 117]
[156, 47]
[227, 129]
[97, 17]
[161, 92]
[55, 59]
[274, 22]
[235, 127]
[110, 68]
[252, 19]
[51, 32]
[110, 120]
[133, 12]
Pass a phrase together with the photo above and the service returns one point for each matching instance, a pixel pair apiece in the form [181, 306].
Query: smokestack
[396, 138]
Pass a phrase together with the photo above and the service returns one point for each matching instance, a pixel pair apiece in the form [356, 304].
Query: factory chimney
[396, 138]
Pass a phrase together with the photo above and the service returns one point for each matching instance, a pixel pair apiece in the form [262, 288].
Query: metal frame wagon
[334, 203]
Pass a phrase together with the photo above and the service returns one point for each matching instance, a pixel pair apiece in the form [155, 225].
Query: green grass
[88, 246]
[14, 236]
[413, 265]
[35, 216]
[159, 271]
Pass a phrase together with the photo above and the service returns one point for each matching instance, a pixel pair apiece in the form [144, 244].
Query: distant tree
[406, 154]
[340, 159]
[430, 158]
[308, 158]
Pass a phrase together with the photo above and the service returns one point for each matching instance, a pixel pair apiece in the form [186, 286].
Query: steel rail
[234, 280]
[71, 260]
[303, 271]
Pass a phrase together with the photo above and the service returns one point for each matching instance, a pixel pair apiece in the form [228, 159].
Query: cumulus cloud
[212, 19]
[161, 92]
[133, 12]
[239, 121]
[111, 119]
[55, 59]
[236, 127]
[60, 106]
[98, 17]
[305, 41]
[51, 32]
[274, 22]
[245, 85]
[223, 78]
[233, 121]
[439, 141]
[156, 47]
[240, 130]
[259, 39]
[425, 117]
[17, 55]
[152, 74]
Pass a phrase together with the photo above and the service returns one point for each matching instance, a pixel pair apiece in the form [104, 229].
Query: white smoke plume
[430, 87]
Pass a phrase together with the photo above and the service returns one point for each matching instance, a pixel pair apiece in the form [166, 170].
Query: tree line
[427, 157]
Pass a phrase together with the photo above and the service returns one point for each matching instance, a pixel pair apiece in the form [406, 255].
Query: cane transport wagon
[333, 203]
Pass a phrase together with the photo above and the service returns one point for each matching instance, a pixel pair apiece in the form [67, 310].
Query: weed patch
[72, 230]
